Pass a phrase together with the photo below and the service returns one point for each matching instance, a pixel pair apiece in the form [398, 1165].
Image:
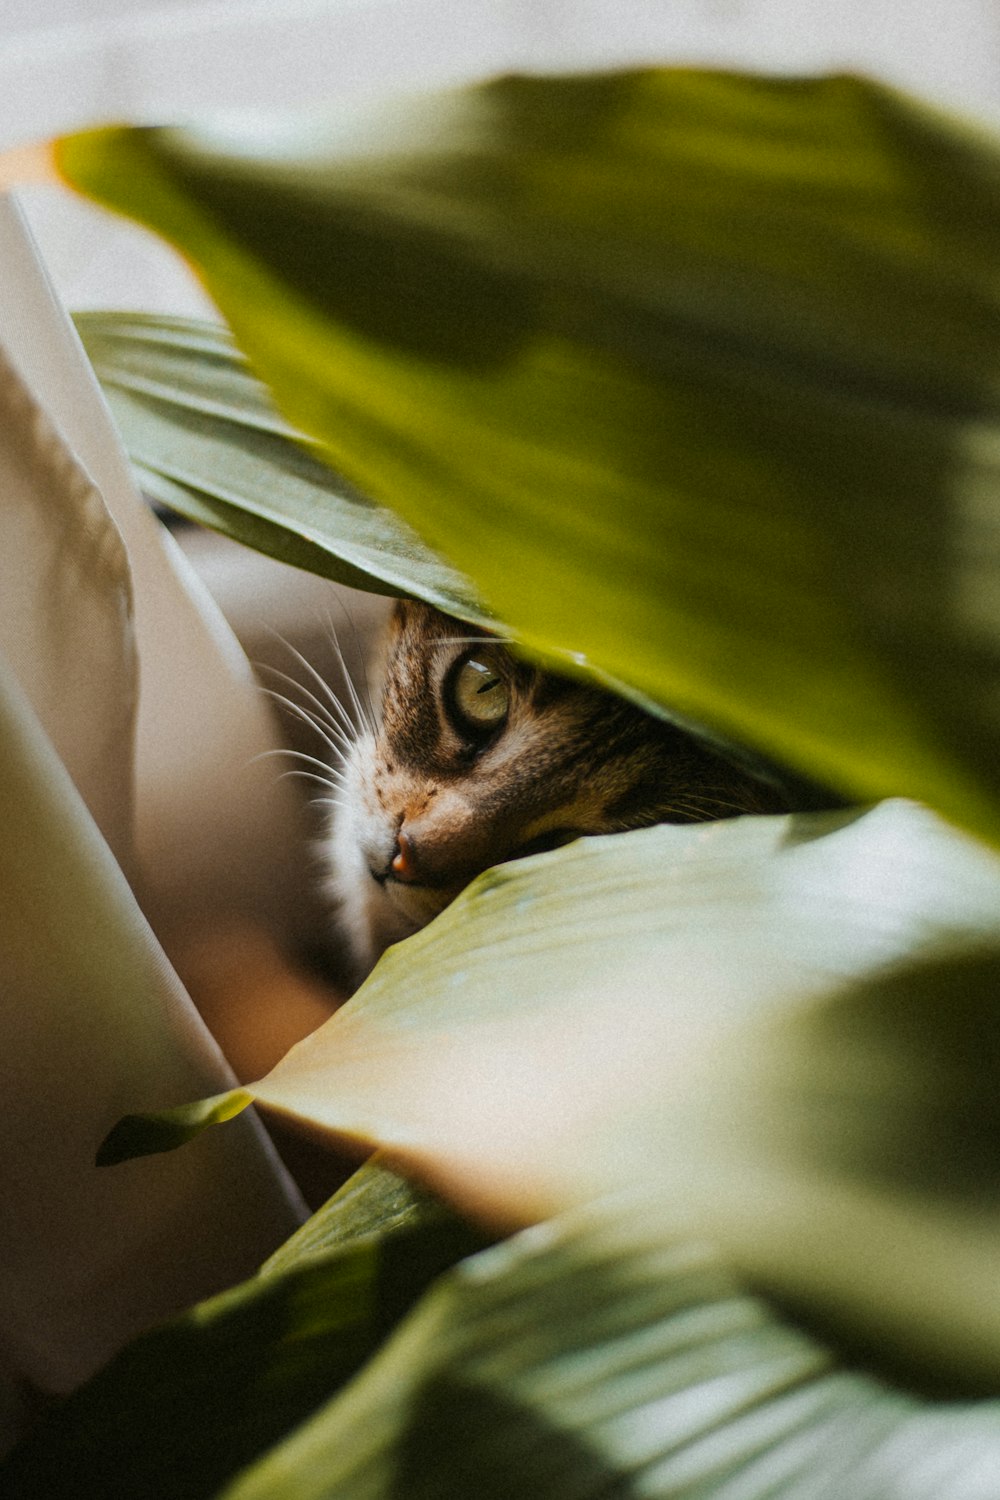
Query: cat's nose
[404, 863]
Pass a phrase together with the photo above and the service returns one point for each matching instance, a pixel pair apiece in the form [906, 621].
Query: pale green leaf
[726, 1014]
[694, 374]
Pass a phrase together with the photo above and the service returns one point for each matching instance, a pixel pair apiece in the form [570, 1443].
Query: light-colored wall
[65, 63]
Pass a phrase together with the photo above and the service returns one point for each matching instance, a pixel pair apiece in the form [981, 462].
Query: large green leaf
[586, 1357]
[589, 1359]
[694, 374]
[207, 441]
[182, 1409]
[716, 1013]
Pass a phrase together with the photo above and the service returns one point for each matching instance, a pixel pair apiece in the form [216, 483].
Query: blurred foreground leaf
[729, 1016]
[182, 1409]
[206, 441]
[589, 1359]
[695, 374]
[586, 1357]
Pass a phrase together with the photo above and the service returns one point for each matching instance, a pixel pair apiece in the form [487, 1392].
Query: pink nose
[404, 866]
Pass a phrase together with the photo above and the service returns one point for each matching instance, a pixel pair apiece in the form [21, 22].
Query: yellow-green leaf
[694, 374]
[164, 1130]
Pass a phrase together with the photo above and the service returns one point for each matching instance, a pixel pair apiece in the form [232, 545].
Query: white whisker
[330, 734]
[309, 760]
[365, 716]
[371, 718]
[704, 809]
[322, 711]
[301, 714]
[329, 697]
[305, 776]
[721, 799]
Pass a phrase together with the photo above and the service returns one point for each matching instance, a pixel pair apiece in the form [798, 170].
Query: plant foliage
[692, 373]
[694, 376]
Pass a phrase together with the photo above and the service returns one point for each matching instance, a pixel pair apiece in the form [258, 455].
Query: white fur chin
[417, 904]
[368, 920]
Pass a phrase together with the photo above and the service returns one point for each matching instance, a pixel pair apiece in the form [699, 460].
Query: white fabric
[66, 608]
[93, 1022]
[213, 821]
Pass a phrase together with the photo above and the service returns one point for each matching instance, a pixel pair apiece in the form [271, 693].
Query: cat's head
[479, 758]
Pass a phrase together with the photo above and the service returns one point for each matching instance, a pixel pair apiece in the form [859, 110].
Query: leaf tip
[27, 165]
[165, 1130]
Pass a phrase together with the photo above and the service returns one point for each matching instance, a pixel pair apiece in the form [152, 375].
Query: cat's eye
[479, 694]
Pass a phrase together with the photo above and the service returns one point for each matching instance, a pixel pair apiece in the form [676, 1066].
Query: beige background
[66, 63]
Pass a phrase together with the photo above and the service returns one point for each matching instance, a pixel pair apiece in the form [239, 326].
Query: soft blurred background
[66, 63]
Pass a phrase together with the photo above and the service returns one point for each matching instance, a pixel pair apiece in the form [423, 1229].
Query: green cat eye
[479, 693]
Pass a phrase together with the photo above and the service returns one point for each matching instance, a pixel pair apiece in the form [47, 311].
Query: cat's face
[479, 758]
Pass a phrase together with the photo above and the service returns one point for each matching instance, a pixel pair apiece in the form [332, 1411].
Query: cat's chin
[390, 911]
[417, 904]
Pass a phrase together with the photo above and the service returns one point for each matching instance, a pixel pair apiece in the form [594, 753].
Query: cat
[478, 757]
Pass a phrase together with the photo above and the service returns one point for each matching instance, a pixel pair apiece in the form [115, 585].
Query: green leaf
[695, 374]
[164, 1130]
[587, 1358]
[727, 1014]
[185, 1407]
[207, 442]
[373, 1201]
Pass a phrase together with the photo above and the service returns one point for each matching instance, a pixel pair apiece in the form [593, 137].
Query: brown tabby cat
[480, 758]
